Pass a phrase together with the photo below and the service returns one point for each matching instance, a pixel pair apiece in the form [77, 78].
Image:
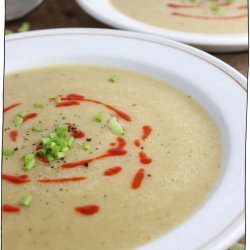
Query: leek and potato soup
[101, 158]
[197, 16]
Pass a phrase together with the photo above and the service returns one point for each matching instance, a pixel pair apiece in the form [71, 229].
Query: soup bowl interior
[220, 219]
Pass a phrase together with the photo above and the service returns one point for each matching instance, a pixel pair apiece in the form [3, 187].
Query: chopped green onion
[100, 116]
[26, 200]
[70, 141]
[58, 100]
[38, 105]
[60, 155]
[230, 1]
[113, 79]
[115, 127]
[37, 128]
[25, 26]
[29, 157]
[50, 157]
[8, 152]
[45, 140]
[55, 146]
[29, 165]
[23, 114]
[18, 120]
[86, 146]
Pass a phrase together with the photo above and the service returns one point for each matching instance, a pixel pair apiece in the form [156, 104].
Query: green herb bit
[26, 200]
[113, 79]
[23, 114]
[38, 105]
[58, 99]
[100, 117]
[8, 32]
[29, 165]
[37, 128]
[230, 1]
[18, 120]
[115, 127]
[25, 26]
[86, 146]
[8, 152]
[29, 157]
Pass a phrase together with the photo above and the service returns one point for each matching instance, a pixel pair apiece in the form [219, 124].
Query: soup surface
[136, 159]
[200, 16]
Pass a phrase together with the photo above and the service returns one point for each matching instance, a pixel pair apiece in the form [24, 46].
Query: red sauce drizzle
[75, 132]
[88, 210]
[21, 179]
[138, 178]
[68, 103]
[208, 17]
[116, 151]
[177, 6]
[242, 7]
[29, 116]
[137, 143]
[112, 171]
[75, 98]
[13, 135]
[112, 144]
[11, 107]
[62, 180]
[146, 132]
[10, 209]
[144, 158]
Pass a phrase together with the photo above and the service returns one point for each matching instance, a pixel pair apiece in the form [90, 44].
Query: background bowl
[106, 13]
[217, 87]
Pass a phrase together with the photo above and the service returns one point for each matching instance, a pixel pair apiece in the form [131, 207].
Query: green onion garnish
[55, 146]
[115, 127]
[37, 128]
[26, 200]
[113, 79]
[86, 146]
[8, 152]
[25, 26]
[38, 105]
[58, 100]
[29, 162]
[19, 118]
[100, 116]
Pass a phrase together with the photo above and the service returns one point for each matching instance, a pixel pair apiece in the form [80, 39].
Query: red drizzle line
[62, 180]
[209, 18]
[21, 179]
[29, 116]
[76, 133]
[144, 158]
[11, 107]
[138, 178]
[68, 103]
[112, 171]
[13, 135]
[137, 143]
[10, 209]
[242, 7]
[75, 98]
[146, 132]
[177, 6]
[88, 210]
[116, 151]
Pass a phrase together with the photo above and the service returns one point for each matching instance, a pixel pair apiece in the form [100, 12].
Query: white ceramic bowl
[106, 13]
[221, 90]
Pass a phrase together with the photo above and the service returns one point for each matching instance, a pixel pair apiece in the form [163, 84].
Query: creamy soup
[101, 158]
[198, 16]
